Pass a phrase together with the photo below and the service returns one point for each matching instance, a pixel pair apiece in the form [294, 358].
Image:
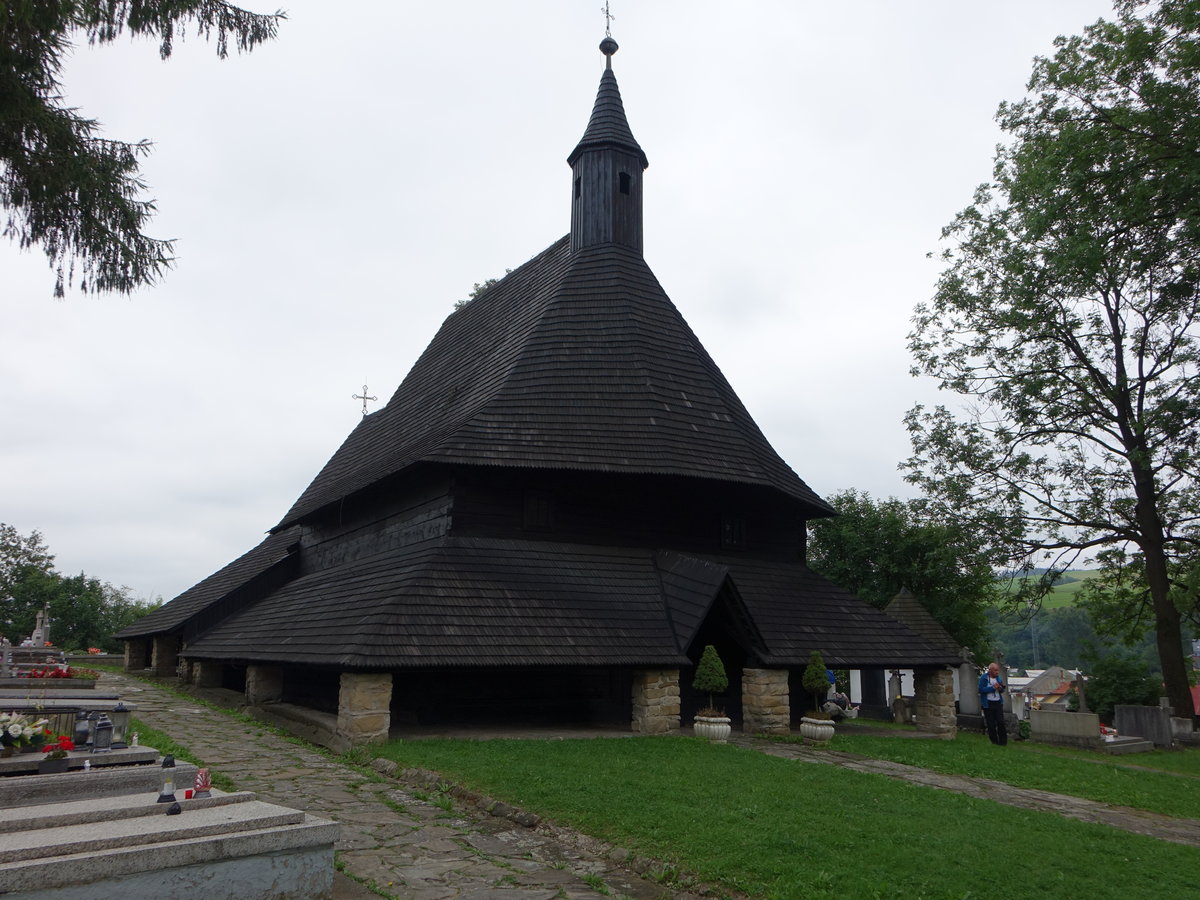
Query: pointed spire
[607, 165]
[608, 125]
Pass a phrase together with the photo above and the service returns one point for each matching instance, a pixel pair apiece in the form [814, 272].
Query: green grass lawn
[786, 829]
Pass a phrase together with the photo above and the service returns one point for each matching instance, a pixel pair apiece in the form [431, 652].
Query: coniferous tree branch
[63, 187]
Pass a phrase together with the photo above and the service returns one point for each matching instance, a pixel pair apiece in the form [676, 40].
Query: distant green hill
[1068, 587]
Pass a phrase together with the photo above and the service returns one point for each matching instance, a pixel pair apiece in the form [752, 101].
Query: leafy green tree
[1065, 636]
[1067, 315]
[874, 548]
[1119, 678]
[22, 558]
[84, 612]
[65, 188]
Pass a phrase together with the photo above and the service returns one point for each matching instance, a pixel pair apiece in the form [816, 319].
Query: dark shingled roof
[608, 126]
[798, 611]
[498, 602]
[689, 586]
[573, 361]
[912, 612]
[462, 602]
[200, 597]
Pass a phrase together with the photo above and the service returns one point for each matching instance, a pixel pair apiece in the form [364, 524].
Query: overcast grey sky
[335, 192]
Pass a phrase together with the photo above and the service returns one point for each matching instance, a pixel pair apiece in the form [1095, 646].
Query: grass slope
[1067, 594]
[776, 828]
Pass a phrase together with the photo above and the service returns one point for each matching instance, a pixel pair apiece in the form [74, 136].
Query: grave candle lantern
[120, 723]
[167, 795]
[102, 736]
[203, 784]
[81, 728]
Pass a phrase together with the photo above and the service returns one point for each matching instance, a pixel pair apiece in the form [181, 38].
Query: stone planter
[714, 728]
[51, 766]
[819, 731]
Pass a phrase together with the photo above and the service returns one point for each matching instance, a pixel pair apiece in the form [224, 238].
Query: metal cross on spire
[364, 397]
[608, 17]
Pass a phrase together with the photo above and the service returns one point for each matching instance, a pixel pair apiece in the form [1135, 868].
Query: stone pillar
[935, 702]
[264, 684]
[655, 701]
[364, 707]
[766, 702]
[207, 673]
[164, 656]
[135, 654]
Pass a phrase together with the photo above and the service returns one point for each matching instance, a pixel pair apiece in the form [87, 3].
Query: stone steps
[1122, 744]
[230, 845]
[79, 812]
[109, 777]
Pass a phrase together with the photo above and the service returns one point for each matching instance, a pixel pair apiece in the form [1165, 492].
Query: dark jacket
[985, 688]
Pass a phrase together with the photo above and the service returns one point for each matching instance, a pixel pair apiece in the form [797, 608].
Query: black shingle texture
[573, 361]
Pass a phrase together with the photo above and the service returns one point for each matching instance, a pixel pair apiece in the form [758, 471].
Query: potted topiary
[710, 678]
[815, 725]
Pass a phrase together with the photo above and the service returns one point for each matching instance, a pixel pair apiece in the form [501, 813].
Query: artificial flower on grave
[60, 748]
[16, 729]
[52, 671]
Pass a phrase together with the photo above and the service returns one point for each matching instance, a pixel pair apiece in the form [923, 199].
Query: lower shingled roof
[466, 602]
[200, 597]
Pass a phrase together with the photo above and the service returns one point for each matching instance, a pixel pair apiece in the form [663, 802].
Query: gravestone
[1150, 722]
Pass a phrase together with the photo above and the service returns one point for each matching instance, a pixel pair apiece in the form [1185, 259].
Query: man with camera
[991, 699]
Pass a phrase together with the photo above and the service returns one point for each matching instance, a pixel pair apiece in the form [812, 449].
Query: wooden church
[559, 507]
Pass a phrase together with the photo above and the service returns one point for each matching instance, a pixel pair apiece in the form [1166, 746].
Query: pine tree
[63, 187]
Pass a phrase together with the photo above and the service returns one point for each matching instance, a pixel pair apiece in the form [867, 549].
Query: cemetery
[86, 811]
[564, 518]
[119, 819]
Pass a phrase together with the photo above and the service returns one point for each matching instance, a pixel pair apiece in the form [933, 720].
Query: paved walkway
[409, 847]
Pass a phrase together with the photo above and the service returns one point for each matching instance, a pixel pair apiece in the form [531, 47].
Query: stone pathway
[418, 843]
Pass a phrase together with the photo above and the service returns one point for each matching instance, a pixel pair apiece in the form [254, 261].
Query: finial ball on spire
[608, 46]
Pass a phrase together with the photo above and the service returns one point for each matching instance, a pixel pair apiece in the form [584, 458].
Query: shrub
[1119, 679]
[815, 679]
[710, 674]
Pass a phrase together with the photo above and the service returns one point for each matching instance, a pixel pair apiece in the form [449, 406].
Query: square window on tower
[733, 532]
[539, 512]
